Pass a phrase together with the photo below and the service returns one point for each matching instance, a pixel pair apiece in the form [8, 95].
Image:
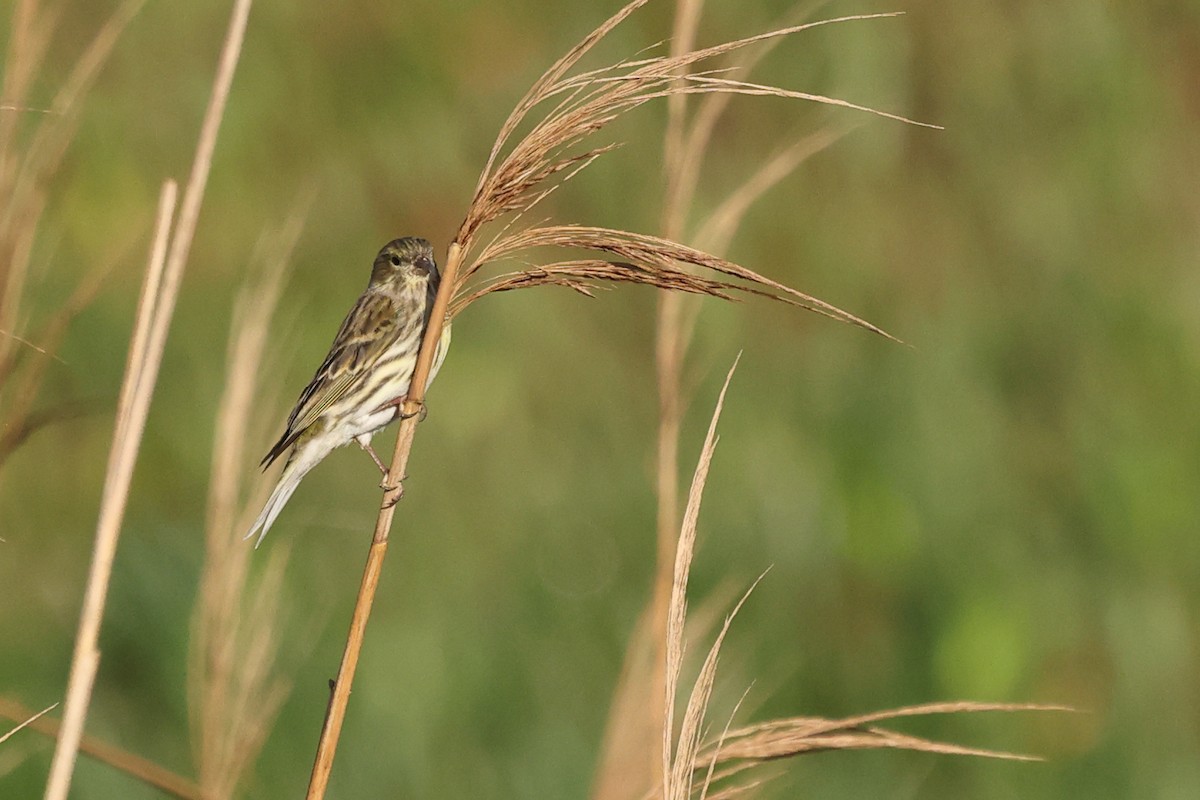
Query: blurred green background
[1006, 511]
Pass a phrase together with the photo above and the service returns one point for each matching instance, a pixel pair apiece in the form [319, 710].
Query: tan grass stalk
[584, 104]
[28, 39]
[24, 172]
[332, 727]
[514, 180]
[640, 258]
[132, 406]
[678, 759]
[690, 768]
[637, 718]
[154, 318]
[787, 737]
[22, 177]
[133, 765]
[234, 692]
[29, 719]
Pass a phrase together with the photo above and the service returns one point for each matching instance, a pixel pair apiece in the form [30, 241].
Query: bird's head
[405, 261]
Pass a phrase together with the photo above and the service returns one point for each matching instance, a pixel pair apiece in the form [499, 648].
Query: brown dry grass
[519, 176]
[695, 762]
[638, 715]
[645, 695]
[26, 719]
[132, 764]
[235, 690]
[155, 310]
[33, 143]
[516, 178]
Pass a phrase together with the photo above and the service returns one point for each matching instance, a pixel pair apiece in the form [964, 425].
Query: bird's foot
[398, 488]
[387, 486]
[398, 403]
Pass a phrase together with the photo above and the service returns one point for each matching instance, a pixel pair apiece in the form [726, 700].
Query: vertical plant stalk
[670, 346]
[677, 761]
[132, 406]
[335, 715]
[630, 764]
[156, 308]
[234, 686]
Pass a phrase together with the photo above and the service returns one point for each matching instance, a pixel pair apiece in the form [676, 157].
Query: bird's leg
[398, 404]
[383, 482]
[374, 457]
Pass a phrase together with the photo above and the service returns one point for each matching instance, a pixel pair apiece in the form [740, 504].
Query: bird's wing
[368, 331]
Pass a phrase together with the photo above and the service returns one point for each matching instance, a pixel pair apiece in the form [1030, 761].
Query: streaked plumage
[370, 364]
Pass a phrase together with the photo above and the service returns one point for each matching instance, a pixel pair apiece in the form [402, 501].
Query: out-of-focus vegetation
[1007, 511]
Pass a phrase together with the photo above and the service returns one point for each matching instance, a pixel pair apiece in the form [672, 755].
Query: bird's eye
[395, 261]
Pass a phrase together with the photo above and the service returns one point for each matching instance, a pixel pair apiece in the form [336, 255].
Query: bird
[361, 385]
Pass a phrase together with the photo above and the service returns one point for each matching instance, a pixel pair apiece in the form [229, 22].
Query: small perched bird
[361, 385]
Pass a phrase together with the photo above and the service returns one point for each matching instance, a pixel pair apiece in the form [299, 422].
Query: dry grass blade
[655, 259]
[544, 87]
[716, 232]
[234, 692]
[676, 776]
[683, 171]
[685, 142]
[687, 754]
[587, 103]
[137, 389]
[22, 178]
[131, 416]
[133, 765]
[23, 175]
[28, 721]
[20, 420]
[744, 748]
[516, 178]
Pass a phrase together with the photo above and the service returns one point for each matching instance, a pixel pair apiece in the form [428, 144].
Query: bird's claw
[391, 501]
[421, 413]
[388, 487]
[399, 403]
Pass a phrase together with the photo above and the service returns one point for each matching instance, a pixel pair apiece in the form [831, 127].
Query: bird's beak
[424, 264]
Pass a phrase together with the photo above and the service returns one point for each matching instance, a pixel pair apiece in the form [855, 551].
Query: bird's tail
[293, 472]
